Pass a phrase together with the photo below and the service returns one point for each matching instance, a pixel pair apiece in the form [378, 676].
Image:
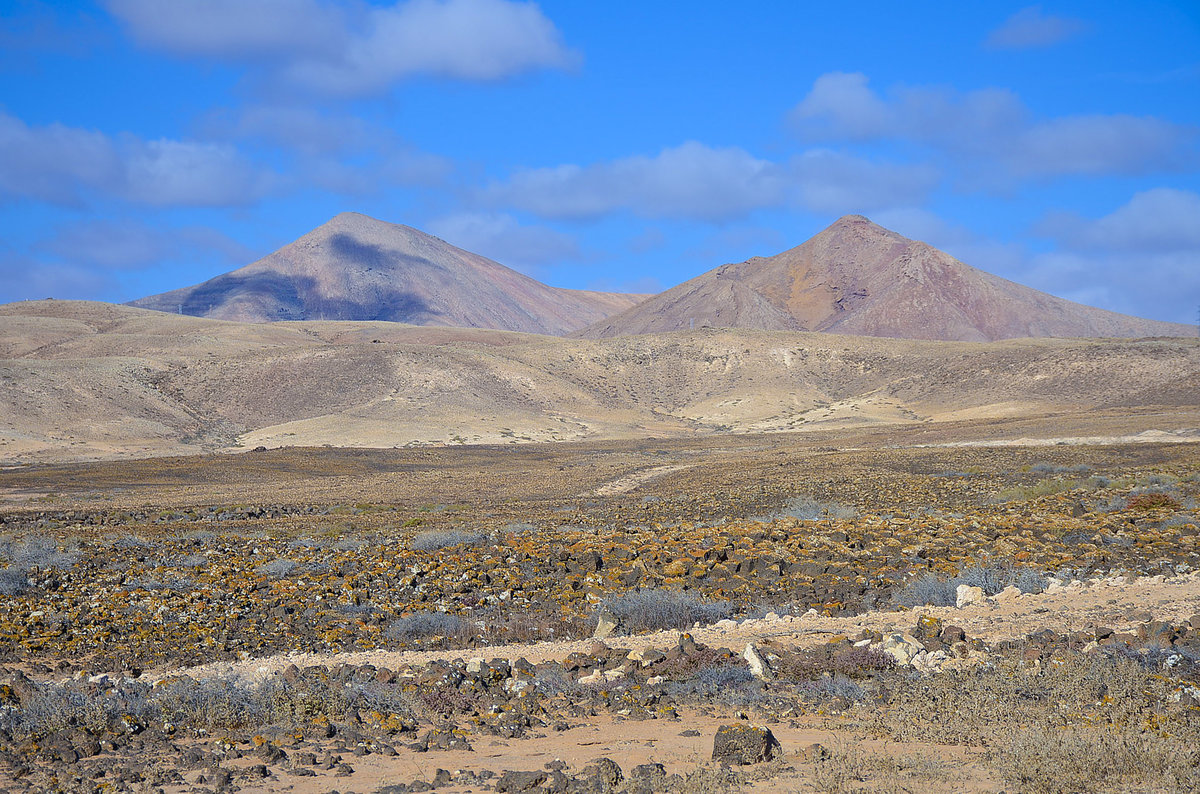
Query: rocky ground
[898, 619]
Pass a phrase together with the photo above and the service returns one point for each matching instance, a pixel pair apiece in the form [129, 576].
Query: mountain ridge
[355, 267]
[856, 277]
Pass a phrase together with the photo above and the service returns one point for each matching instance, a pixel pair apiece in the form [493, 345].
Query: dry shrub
[1155, 500]
[986, 706]
[1081, 723]
[811, 663]
[507, 625]
[1113, 758]
[847, 767]
[993, 577]
[658, 610]
[426, 624]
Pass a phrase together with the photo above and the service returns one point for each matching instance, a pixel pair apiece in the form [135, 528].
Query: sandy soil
[631, 743]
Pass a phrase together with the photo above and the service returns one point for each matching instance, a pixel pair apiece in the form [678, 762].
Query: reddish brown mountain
[358, 268]
[858, 278]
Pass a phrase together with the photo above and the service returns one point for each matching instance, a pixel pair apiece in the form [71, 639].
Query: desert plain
[966, 583]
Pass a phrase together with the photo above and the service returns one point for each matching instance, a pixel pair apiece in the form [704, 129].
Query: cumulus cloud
[1157, 285]
[1161, 220]
[501, 237]
[841, 104]
[129, 245]
[836, 183]
[340, 48]
[63, 165]
[691, 180]
[1030, 27]
[331, 150]
[22, 278]
[300, 128]
[698, 182]
[991, 133]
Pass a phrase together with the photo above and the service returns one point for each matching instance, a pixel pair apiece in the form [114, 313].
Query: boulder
[516, 781]
[744, 744]
[903, 648]
[759, 668]
[966, 595]
[607, 624]
[604, 774]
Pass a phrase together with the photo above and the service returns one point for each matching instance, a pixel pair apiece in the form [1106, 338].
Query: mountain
[858, 278]
[358, 268]
[93, 380]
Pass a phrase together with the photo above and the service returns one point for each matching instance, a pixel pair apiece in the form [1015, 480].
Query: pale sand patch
[1184, 436]
[631, 481]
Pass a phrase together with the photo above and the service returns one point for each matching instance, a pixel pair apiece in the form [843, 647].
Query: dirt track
[1114, 602]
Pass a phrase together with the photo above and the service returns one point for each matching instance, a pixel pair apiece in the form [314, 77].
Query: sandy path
[1116, 602]
[630, 481]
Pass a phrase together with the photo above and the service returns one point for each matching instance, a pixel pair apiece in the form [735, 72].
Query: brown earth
[858, 278]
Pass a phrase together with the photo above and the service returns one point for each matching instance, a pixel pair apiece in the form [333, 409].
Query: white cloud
[500, 237]
[53, 162]
[1161, 220]
[1029, 28]
[690, 181]
[1116, 144]
[304, 129]
[24, 279]
[333, 151]
[835, 183]
[699, 182]
[128, 244]
[841, 104]
[1158, 285]
[341, 48]
[990, 133]
[251, 29]
[63, 165]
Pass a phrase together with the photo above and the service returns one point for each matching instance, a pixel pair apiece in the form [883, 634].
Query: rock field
[1017, 620]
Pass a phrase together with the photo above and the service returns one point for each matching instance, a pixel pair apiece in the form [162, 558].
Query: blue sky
[147, 145]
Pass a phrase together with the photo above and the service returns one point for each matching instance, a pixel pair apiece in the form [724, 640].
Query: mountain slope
[358, 268]
[858, 278]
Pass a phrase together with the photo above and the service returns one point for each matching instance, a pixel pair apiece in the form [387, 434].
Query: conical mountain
[357, 268]
[856, 277]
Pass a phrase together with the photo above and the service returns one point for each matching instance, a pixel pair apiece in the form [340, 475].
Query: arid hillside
[358, 268]
[858, 278]
[86, 380]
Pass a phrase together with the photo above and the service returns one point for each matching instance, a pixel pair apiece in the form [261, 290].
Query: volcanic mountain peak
[355, 267]
[856, 277]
